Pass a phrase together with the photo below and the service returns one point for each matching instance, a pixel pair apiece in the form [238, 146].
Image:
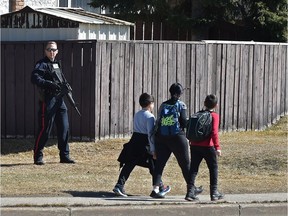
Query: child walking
[208, 150]
[170, 138]
[140, 150]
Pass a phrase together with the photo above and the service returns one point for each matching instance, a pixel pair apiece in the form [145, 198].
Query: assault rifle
[65, 89]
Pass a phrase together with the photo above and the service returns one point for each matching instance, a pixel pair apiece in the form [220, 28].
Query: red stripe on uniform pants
[42, 127]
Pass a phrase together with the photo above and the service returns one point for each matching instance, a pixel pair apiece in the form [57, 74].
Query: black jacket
[136, 151]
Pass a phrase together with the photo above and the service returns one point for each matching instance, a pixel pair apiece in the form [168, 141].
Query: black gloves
[52, 85]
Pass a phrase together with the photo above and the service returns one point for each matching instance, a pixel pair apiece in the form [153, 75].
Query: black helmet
[176, 89]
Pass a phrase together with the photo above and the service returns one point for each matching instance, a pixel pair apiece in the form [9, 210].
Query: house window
[64, 3]
[79, 3]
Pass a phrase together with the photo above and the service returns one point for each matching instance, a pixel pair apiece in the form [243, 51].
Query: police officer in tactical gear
[52, 107]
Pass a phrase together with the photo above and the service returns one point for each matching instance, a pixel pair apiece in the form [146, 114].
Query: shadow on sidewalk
[96, 194]
[106, 195]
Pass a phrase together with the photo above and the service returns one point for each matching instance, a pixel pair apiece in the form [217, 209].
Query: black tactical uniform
[52, 109]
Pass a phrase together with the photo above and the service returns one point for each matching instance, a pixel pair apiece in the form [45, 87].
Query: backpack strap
[178, 107]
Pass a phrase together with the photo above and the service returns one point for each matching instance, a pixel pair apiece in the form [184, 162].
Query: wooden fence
[250, 80]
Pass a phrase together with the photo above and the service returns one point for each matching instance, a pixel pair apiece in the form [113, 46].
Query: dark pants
[126, 171]
[165, 145]
[198, 153]
[52, 111]
[134, 153]
[128, 168]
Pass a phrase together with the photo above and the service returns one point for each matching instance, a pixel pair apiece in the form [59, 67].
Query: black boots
[192, 192]
[214, 194]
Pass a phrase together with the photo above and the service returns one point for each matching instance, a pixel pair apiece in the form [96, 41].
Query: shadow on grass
[25, 164]
[16, 164]
[11, 146]
[98, 194]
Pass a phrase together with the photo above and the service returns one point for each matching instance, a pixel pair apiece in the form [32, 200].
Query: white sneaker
[165, 190]
[119, 191]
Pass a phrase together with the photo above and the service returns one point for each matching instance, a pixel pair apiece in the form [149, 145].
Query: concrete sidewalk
[107, 204]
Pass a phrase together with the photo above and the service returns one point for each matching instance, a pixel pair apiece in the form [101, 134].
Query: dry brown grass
[252, 162]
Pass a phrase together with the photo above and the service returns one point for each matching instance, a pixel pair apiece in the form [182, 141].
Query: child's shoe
[156, 195]
[214, 194]
[119, 190]
[163, 190]
[198, 190]
[191, 193]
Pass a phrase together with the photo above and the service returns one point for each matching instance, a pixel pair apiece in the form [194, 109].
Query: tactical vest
[56, 72]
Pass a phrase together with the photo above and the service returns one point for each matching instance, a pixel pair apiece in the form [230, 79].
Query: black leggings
[165, 145]
[198, 153]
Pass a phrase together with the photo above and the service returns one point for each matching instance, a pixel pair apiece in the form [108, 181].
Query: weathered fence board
[155, 71]
[93, 123]
[181, 69]
[121, 90]
[76, 82]
[65, 52]
[20, 86]
[105, 88]
[236, 87]
[107, 78]
[229, 87]
[38, 52]
[222, 99]
[265, 118]
[115, 86]
[275, 85]
[250, 121]
[87, 92]
[97, 79]
[130, 77]
[211, 67]
[199, 77]
[3, 93]
[10, 91]
[28, 105]
[171, 55]
[187, 76]
[162, 74]
[279, 78]
[243, 81]
[138, 75]
[257, 87]
[218, 74]
[284, 79]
